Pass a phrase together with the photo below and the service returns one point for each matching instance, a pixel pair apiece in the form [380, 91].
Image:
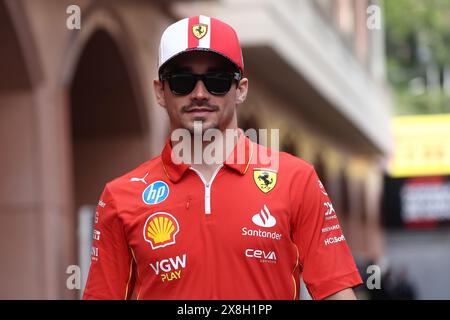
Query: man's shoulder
[294, 162]
[145, 172]
[281, 161]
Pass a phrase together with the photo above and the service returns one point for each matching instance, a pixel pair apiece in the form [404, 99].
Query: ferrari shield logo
[199, 30]
[265, 179]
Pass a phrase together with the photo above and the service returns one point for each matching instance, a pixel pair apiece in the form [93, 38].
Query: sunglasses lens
[218, 83]
[215, 83]
[182, 83]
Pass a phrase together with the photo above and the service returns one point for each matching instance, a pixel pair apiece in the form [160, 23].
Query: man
[232, 228]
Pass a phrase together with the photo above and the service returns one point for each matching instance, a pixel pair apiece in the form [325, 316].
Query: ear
[158, 87]
[241, 91]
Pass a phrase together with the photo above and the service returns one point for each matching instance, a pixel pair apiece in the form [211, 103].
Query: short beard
[185, 109]
[192, 130]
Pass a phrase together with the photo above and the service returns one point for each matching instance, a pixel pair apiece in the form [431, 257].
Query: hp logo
[155, 193]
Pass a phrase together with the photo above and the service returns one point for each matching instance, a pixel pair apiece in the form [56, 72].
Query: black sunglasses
[217, 83]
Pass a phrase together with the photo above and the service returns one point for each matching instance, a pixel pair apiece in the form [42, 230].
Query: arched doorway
[107, 128]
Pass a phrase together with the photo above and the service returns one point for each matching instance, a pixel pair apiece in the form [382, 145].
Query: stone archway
[107, 129]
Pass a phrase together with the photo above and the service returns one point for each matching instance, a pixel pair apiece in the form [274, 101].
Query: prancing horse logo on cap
[199, 30]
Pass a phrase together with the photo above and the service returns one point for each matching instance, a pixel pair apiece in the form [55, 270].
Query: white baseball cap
[200, 33]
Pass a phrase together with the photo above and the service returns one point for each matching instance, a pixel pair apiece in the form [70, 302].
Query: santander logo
[264, 218]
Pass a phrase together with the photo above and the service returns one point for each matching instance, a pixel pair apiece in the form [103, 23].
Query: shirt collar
[238, 160]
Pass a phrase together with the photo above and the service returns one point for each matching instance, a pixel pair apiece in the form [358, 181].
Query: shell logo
[160, 229]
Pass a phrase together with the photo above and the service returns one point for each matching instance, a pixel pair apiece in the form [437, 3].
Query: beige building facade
[77, 109]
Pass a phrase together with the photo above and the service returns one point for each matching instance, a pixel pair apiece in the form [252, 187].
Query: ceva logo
[261, 254]
[264, 218]
[155, 193]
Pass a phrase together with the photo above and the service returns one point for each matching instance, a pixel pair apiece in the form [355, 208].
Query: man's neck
[210, 151]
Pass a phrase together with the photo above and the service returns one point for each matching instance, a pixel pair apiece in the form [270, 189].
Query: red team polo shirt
[162, 232]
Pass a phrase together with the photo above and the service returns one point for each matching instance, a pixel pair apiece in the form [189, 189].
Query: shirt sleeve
[110, 273]
[325, 258]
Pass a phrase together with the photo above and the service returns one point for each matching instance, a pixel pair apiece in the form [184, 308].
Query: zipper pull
[188, 202]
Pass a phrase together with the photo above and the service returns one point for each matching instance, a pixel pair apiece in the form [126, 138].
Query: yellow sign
[421, 146]
[265, 179]
[199, 30]
[160, 229]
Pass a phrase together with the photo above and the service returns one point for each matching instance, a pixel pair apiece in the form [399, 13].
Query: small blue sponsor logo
[156, 192]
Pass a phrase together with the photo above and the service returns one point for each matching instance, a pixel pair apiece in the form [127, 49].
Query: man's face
[213, 111]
